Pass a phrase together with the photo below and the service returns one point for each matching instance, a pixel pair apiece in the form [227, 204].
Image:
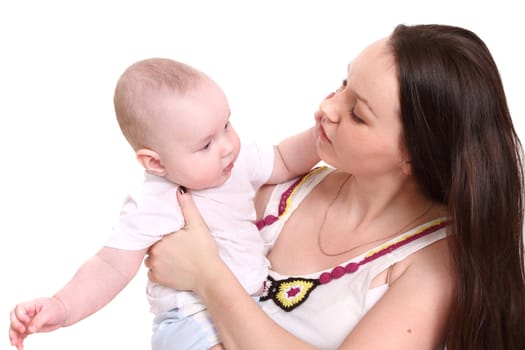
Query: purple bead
[260, 224]
[338, 272]
[270, 219]
[325, 277]
[351, 267]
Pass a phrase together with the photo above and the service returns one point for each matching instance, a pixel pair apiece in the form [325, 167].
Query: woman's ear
[150, 160]
[406, 167]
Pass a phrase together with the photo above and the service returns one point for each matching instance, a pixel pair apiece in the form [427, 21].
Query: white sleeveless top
[322, 308]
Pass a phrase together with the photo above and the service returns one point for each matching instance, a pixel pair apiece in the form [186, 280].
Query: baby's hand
[39, 315]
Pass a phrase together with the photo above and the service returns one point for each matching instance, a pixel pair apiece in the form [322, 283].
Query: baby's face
[198, 145]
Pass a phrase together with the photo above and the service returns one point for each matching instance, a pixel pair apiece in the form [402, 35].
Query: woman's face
[359, 128]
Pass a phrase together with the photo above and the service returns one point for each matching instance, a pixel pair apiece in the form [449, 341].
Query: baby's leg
[174, 330]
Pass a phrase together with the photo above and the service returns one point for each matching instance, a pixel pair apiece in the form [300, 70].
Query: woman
[413, 240]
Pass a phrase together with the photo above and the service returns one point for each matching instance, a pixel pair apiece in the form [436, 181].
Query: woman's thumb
[190, 212]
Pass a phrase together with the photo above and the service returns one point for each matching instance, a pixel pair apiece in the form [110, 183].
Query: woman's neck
[369, 202]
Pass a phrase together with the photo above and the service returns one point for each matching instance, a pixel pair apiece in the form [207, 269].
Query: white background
[65, 167]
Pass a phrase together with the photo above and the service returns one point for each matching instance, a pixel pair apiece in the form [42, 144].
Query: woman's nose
[328, 109]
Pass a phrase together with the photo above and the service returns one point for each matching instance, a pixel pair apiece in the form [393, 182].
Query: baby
[176, 119]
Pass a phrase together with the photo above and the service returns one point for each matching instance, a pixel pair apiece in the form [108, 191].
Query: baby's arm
[94, 285]
[98, 281]
[294, 156]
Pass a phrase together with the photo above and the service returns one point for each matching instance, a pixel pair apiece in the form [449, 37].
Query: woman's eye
[355, 117]
[343, 85]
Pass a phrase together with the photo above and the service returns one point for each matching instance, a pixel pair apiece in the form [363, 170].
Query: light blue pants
[178, 330]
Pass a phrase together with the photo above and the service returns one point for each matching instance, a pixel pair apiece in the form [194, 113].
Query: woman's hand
[189, 260]
[184, 259]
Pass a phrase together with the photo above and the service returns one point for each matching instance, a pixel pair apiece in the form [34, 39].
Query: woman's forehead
[372, 75]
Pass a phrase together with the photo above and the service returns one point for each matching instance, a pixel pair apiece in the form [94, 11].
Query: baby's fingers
[16, 339]
[19, 319]
[17, 331]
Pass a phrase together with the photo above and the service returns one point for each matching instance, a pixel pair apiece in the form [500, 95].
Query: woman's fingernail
[182, 189]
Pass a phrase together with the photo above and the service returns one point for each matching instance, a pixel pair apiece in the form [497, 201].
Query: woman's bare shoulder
[432, 264]
[413, 312]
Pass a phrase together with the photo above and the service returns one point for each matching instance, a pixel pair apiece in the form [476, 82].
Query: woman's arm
[241, 323]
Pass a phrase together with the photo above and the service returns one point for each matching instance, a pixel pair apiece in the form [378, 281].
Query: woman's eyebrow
[359, 97]
[365, 101]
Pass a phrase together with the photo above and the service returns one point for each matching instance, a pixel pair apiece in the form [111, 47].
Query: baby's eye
[226, 125]
[207, 145]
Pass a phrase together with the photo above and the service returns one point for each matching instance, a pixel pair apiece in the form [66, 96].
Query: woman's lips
[322, 135]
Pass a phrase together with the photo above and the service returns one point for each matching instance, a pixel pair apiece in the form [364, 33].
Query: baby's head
[176, 119]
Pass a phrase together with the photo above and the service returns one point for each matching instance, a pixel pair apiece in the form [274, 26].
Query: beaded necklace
[291, 292]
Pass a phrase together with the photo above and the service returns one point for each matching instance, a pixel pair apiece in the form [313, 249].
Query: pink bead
[351, 267]
[260, 224]
[270, 219]
[325, 277]
[338, 272]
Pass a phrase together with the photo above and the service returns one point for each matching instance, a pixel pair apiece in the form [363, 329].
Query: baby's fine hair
[134, 98]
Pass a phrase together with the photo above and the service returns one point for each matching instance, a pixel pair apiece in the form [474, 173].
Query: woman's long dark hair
[466, 154]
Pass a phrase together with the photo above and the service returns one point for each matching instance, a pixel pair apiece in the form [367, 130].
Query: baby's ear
[150, 160]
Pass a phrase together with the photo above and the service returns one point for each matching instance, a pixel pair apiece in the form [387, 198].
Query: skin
[359, 133]
[197, 151]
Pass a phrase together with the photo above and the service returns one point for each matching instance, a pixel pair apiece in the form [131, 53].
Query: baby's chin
[219, 181]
